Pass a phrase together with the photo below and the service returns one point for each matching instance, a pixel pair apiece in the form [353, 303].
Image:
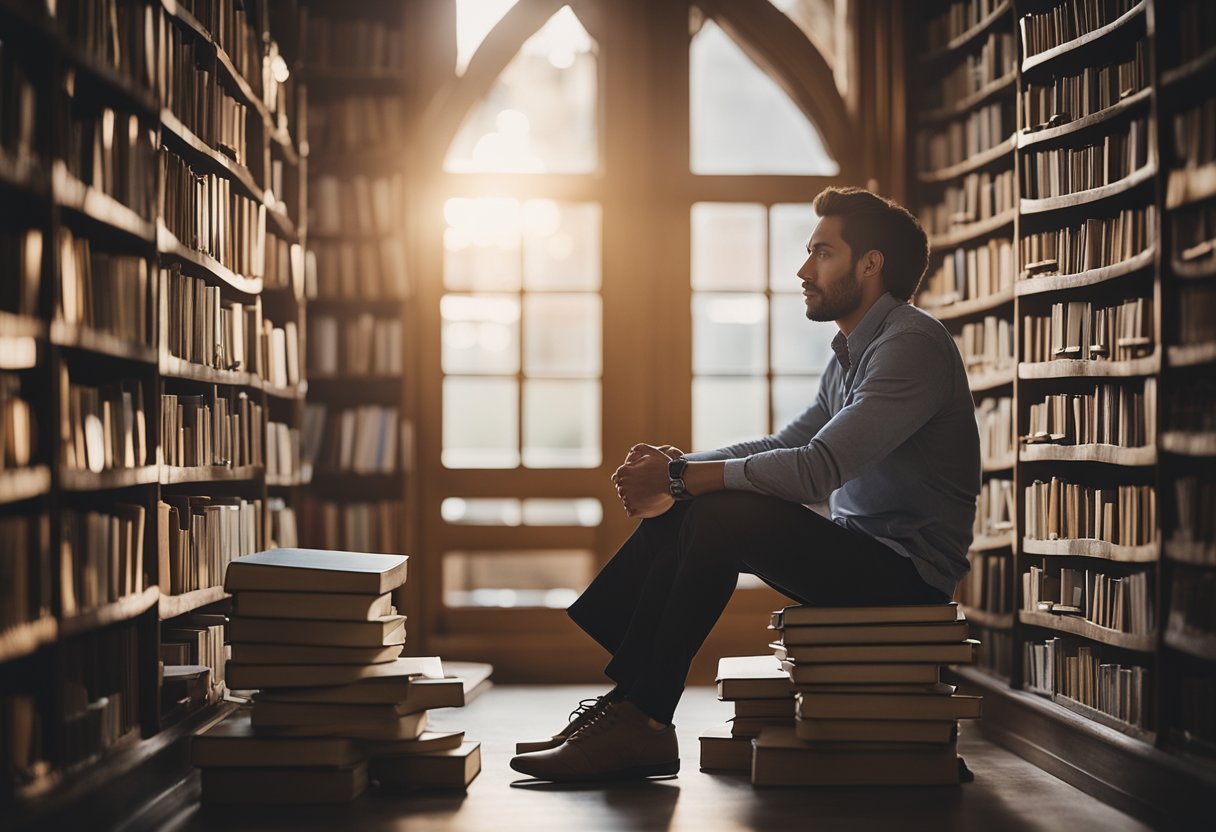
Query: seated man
[891, 438]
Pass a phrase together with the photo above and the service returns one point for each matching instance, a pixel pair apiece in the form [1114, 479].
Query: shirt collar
[861, 336]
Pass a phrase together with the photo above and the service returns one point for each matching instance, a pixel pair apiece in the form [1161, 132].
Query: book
[852, 674]
[283, 785]
[416, 694]
[875, 730]
[875, 634]
[781, 759]
[751, 677]
[752, 726]
[961, 653]
[245, 676]
[304, 655]
[803, 616]
[232, 743]
[403, 727]
[271, 714]
[720, 751]
[452, 769]
[427, 742]
[381, 632]
[316, 570]
[313, 605]
[380, 689]
[887, 706]
[782, 707]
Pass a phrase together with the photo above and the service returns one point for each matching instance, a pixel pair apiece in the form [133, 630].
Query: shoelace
[584, 706]
[599, 722]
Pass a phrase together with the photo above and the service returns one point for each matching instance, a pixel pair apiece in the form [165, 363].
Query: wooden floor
[1008, 793]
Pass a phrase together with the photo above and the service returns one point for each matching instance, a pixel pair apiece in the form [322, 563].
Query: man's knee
[720, 520]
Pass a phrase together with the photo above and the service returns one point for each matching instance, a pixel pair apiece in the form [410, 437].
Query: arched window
[612, 205]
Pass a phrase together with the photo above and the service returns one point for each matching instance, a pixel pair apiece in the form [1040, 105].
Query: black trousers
[654, 603]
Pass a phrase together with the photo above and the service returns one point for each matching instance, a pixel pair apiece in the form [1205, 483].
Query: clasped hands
[641, 481]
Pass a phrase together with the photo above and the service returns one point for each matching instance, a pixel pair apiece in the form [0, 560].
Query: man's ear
[871, 263]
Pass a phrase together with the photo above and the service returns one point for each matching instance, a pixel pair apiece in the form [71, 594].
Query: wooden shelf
[964, 105]
[1004, 463]
[970, 307]
[296, 393]
[1190, 69]
[1090, 277]
[1077, 626]
[1199, 645]
[124, 609]
[1107, 454]
[171, 606]
[174, 367]
[139, 99]
[1189, 443]
[958, 42]
[1192, 355]
[1054, 203]
[204, 155]
[284, 480]
[206, 266]
[1029, 139]
[1089, 548]
[992, 542]
[984, 618]
[64, 334]
[1189, 185]
[24, 483]
[1089, 38]
[972, 231]
[70, 193]
[972, 164]
[284, 227]
[991, 379]
[23, 639]
[1148, 365]
[1103, 718]
[1198, 269]
[24, 175]
[1191, 552]
[173, 474]
[71, 479]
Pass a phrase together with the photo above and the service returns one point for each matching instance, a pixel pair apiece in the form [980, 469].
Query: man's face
[830, 285]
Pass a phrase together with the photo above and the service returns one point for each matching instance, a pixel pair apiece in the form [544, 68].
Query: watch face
[675, 468]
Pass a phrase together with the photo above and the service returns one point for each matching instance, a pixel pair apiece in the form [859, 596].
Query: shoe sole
[632, 773]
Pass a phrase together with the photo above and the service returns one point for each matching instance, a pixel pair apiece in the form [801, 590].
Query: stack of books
[316, 634]
[852, 696]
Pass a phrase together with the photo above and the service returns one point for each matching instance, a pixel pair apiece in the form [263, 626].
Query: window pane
[790, 228]
[480, 334]
[562, 335]
[561, 245]
[480, 423]
[799, 345]
[561, 424]
[587, 512]
[481, 244]
[474, 20]
[742, 122]
[728, 333]
[541, 114]
[727, 246]
[726, 410]
[481, 511]
[791, 396]
[537, 578]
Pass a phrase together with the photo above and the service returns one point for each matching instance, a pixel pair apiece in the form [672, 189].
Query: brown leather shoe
[587, 710]
[617, 744]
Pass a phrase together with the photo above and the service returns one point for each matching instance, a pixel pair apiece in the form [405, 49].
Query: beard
[835, 302]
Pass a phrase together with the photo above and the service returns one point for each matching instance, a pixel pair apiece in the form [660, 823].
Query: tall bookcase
[358, 441]
[1098, 612]
[151, 373]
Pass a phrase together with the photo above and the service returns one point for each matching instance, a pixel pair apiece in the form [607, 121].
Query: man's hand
[669, 451]
[641, 482]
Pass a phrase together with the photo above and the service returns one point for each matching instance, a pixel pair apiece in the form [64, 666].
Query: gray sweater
[891, 439]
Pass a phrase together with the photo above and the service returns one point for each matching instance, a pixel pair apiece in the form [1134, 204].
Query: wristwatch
[675, 473]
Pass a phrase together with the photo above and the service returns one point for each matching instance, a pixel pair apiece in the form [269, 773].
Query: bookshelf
[121, 117]
[1109, 311]
[355, 438]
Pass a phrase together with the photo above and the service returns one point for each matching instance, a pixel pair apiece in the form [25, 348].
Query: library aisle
[1008, 793]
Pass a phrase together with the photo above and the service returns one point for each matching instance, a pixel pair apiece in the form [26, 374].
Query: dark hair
[871, 222]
